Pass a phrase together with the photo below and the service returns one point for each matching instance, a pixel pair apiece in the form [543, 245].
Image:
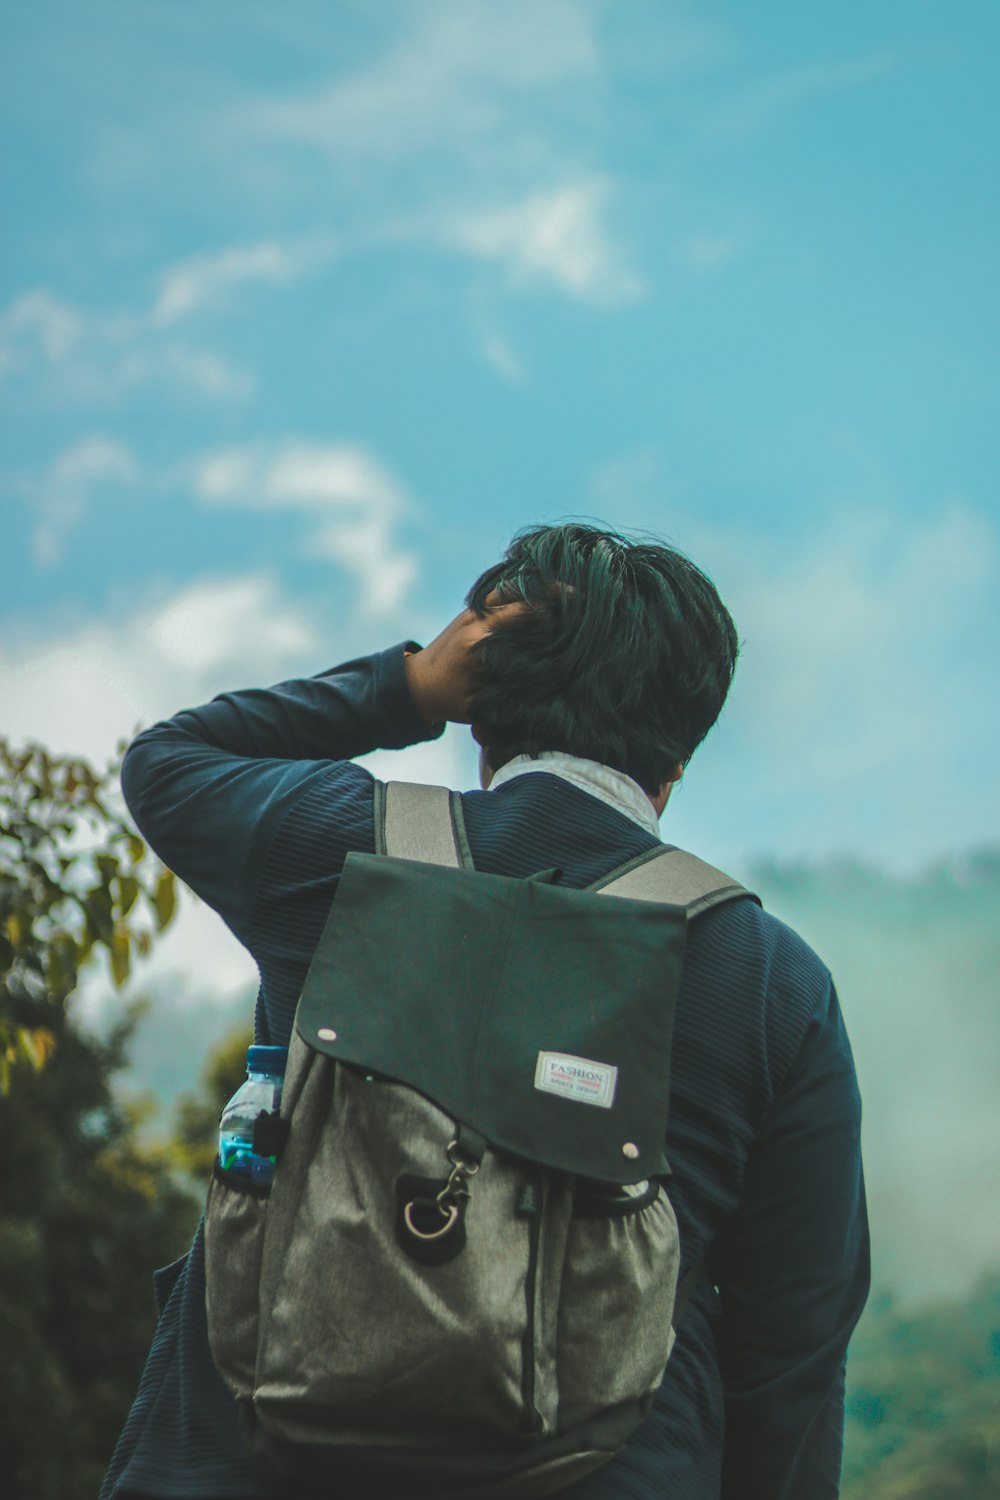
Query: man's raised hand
[446, 675]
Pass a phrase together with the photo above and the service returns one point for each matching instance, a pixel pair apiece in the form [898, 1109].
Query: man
[590, 668]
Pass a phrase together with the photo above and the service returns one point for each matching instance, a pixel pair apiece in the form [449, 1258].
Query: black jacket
[254, 802]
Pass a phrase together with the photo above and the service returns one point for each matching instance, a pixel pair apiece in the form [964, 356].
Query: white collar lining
[611, 787]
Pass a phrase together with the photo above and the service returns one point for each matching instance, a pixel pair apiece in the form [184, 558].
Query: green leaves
[164, 898]
[75, 880]
[120, 949]
[98, 906]
[62, 963]
[128, 891]
[23, 1044]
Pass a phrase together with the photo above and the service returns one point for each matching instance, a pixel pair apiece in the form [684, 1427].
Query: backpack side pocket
[235, 1215]
[615, 1304]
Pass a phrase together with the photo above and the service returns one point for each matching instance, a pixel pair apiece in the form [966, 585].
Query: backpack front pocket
[235, 1214]
[382, 1342]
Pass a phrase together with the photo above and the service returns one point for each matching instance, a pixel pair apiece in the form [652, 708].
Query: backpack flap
[533, 1013]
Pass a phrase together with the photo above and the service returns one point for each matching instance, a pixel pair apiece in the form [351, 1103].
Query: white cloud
[197, 371]
[455, 84]
[65, 493]
[366, 548]
[501, 356]
[93, 459]
[556, 237]
[860, 719]
[103, 353]
[771, 98]
[458, 124]
[211, 628]
[99, 355]
[355, 503]
[709, 252]
[37, 323]
[206, 278]
[852, 642]
[83, 691]
[297, 475]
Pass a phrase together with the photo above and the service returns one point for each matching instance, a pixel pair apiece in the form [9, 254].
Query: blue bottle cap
[267, 1060]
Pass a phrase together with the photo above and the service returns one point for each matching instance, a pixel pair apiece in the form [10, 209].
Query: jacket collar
[611, 787]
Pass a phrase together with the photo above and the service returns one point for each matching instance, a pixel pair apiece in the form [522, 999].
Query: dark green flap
[508, 1003]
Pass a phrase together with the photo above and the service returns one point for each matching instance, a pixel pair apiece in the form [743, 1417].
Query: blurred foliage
[75, 882]
[195, 1137]
[923, 1407]
[85, 1214]
[89, 1206]
[85, 1211]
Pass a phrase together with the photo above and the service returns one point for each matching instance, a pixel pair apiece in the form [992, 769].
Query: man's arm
[792, 1268]
[210, 787]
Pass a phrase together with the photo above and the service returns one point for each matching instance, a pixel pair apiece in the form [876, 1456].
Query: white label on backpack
[576, 1078]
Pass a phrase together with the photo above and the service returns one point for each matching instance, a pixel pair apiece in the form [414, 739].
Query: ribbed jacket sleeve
[212, 787]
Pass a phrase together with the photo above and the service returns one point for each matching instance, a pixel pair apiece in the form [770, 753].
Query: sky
[306, 309]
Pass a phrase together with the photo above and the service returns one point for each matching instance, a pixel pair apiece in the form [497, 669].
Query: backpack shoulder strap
[674, 877]
[423, 823]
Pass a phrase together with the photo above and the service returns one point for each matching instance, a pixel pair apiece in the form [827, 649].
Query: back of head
[624, 656]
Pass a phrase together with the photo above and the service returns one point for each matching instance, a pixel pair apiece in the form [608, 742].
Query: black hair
[624, 656]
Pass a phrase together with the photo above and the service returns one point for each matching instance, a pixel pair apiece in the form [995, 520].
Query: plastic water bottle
[260, 1093]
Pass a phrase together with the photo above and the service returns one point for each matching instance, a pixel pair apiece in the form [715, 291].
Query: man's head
[624, 655]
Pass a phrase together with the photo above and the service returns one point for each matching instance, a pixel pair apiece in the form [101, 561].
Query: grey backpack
[463, 1280]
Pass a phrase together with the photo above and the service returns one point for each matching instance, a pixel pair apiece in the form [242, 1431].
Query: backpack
[463, 1279]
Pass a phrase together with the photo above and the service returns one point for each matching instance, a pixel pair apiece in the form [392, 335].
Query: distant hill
[923, 1400]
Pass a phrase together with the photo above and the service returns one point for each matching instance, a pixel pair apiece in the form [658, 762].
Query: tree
[85, 1210]
[74, 878]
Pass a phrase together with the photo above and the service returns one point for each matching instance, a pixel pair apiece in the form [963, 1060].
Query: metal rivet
[630, 1149]
[326, 1034]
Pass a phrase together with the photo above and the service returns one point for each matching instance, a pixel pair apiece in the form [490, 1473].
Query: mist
[916, 962]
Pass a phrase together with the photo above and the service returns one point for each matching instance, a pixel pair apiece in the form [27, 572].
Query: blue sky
[306, 308]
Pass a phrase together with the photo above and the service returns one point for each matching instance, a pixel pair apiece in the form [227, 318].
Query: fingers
[497, 613]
